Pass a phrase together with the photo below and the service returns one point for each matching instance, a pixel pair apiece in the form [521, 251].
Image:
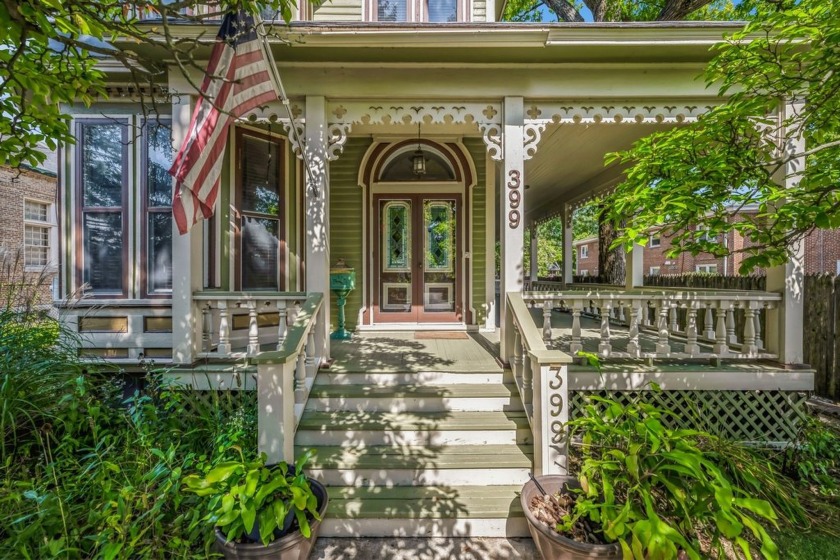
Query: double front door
[418, 264]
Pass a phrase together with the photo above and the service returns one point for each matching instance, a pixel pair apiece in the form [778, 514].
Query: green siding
[477, 151]
[339, 10]
[346, 224]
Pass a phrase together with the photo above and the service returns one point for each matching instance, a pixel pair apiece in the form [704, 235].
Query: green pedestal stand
[342, 282]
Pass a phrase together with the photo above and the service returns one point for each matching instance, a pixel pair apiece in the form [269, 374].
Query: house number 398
[514, 197]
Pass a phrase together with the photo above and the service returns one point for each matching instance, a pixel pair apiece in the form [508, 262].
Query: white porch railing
[237, 324]
[284, 380]
[277, 332]
[703, 322]
[542, 380]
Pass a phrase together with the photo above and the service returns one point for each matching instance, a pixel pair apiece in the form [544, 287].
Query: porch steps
[414, 397]
[418, 453]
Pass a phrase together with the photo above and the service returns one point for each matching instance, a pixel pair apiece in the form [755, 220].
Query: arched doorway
[418, 234]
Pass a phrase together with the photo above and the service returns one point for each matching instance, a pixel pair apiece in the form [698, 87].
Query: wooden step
[425, 511]
[414, 465]
[389, 379]
[348, 429]
[406, 397]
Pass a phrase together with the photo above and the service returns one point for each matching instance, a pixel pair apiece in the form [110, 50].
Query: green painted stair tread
[416, 421]
[415, 457]
[424, 502]
[407, 391]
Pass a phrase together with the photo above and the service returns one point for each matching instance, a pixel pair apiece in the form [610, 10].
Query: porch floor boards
[400, 352]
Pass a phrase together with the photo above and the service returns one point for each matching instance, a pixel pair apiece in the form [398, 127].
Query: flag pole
[259, 26]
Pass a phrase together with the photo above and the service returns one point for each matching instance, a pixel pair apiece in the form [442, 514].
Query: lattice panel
[224, 401]
[749, 416]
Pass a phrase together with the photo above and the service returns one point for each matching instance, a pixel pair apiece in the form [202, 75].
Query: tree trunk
[564, 9]
[611, 263]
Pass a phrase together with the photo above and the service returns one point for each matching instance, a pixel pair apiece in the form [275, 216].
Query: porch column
[784, 324]
[568, 249]
[534, 246]
[316, 195]
[634, 272]
[513, 210]
[187, 249]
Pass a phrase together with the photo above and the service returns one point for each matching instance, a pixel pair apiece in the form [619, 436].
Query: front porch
[427, 434]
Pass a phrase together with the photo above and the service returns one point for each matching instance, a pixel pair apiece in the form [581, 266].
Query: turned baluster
[224, 328]
[673, 325]
[253, 329]
[731, 337]
[300, 377]
[310, 345]
[207, 328]
[575, 346]
[663, 345]
[759, 343]
[691, 346]
[605, 347]
[750, 348]
[708, 323]
[517, 355]
[547, 320]
[635, 312]
[281, 324]
[720, 347]
[527, 392]
[645, 315]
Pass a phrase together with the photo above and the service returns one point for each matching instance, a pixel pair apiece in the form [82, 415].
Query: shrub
[656, 491]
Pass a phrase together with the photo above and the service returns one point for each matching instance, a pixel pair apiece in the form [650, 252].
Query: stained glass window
[397, 237]
[439, 223]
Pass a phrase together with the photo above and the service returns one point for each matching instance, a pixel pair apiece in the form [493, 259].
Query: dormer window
[432, 11]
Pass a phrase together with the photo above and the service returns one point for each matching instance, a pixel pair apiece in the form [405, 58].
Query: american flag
[237, 80]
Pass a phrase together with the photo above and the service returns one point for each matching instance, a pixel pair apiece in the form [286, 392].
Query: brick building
[28, 233]
[822, 255]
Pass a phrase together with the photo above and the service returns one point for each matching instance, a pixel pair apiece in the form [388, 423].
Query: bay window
[102, 179]
[157, 200]
[259, 201]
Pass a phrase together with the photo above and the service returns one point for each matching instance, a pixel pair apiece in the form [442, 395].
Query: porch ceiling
[569, 163]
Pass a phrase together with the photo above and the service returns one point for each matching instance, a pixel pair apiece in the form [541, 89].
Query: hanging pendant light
[418, 162]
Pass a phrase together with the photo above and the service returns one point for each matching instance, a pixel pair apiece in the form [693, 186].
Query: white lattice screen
[750, 416]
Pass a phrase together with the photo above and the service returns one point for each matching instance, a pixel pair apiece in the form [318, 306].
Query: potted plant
[656, 492]
[259, 510]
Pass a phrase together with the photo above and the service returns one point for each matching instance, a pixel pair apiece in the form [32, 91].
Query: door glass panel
[396, 288]
[439, 231]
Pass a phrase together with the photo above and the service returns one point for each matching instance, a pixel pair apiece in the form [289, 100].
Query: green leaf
[249, 515]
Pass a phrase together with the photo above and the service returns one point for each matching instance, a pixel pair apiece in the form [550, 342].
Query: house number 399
[514, 197]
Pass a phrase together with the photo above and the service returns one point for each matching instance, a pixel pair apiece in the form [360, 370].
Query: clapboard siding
[475, 146]
[346, 222]
[339, 10]
[479, 10]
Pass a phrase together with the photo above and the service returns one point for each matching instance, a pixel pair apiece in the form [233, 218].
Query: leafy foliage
[629, 10]
[656, 491]
[87, 473]
[246, 495]
[814, 458]
[697, 176]
[50, 50]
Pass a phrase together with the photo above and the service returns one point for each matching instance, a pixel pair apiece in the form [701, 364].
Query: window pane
[159, 272]
[391, 10]
[35, 211]
[159, 149]
[260, 266]
[36, 242]
[103, 266]
[260, 189]
[443, 11]
[102, 164]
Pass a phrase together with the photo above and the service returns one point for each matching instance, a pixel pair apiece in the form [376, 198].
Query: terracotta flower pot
[550, 544]
[293, 546]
